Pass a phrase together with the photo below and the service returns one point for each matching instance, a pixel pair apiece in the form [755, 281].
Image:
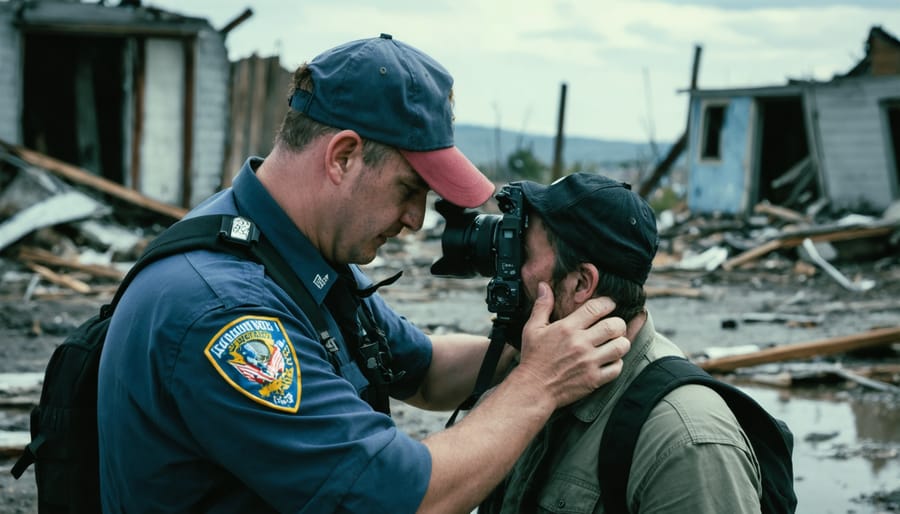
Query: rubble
[65, 231]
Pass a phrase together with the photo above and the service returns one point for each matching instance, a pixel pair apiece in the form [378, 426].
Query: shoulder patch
[255, 356]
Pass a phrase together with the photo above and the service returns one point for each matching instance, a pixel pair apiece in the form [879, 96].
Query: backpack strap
[771, 439]
[223, 233]
[238, 236]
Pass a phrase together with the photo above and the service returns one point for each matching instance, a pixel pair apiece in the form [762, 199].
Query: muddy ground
[848, 436]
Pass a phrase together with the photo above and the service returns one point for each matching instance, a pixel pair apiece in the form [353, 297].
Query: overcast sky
[623, 61]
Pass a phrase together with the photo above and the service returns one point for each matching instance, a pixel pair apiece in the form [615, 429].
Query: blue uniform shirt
[215, 394]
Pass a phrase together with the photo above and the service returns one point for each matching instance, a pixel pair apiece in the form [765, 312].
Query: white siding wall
[853, 142]
[10, 77]
[163, 121]
[211, 104]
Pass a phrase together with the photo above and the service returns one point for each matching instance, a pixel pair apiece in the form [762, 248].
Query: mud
[847, 437]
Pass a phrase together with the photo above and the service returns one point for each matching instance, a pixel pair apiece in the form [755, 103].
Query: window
[713, 121]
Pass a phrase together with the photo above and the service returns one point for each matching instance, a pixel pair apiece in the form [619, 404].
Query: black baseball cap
[601, 219]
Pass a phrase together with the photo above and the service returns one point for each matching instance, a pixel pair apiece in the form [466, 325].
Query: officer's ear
[343, 155]
[586, 279]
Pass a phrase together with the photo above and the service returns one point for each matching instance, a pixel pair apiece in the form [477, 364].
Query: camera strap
[365, 339]
[488, 368]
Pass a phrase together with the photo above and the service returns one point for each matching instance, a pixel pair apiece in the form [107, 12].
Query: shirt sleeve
[257, 393]
[692, 456]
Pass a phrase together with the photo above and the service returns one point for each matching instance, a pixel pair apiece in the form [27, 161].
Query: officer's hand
[575, 355]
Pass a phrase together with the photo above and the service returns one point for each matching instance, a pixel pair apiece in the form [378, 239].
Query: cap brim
[452, 176]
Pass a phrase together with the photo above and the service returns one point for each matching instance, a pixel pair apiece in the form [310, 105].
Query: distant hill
[480, 146]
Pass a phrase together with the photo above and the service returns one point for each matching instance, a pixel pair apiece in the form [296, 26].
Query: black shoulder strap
[235, 235]
[771, 439]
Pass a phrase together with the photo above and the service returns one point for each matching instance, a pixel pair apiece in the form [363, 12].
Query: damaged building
[134, 94]
[806, 145]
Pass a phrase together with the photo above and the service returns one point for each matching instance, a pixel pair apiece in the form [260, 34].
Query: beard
[557, 295]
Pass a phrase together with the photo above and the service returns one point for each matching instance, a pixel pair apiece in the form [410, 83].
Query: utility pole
[558, 147]
[663, 167]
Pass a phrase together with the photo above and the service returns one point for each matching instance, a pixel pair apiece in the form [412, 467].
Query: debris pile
[65, 232]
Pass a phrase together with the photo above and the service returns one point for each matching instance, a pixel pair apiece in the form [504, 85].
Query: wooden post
[241, 18]
[558, 147]
[137, 134]
[675, 150]
[187, 150]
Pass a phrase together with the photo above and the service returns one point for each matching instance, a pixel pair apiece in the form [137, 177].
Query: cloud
[751, 5]
[618, 57]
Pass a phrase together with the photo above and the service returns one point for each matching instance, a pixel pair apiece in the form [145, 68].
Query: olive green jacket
[691, 457]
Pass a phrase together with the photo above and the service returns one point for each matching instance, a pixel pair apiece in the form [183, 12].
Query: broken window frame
[710, 147]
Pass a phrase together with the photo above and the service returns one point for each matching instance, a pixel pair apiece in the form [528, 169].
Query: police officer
[215, 391]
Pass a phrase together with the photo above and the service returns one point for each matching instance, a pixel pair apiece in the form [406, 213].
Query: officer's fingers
[606, 329]
[589, 312]
[608, 372]
[543, 306]
[612, 350]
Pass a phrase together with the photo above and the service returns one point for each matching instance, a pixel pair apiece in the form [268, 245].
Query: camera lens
[467, 243]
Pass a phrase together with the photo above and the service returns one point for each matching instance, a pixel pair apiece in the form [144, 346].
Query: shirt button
[561, 503]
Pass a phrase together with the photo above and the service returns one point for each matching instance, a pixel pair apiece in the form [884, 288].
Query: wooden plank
[686, 292]
[231, 25]
[779, 212]
[277, 81]
[86, 178]
[257, 104]
[816, 234]
[866, 382]
[62, 280]
[831, 346]
[237, 142]
[751, 254]
[41, 256]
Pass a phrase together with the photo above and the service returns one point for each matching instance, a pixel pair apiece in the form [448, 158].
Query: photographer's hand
[574, 355]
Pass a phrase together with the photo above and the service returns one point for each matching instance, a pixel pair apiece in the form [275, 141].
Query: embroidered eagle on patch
[255, 356]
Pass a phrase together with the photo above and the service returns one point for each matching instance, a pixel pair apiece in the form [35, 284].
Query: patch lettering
[320, 281]
[240, 228]
[255, 356]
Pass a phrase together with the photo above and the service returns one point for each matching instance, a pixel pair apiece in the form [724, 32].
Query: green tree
[523, 163]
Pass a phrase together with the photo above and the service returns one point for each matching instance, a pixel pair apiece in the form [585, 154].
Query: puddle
[846, 450]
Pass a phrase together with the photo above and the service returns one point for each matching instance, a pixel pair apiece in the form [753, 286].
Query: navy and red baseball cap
[392, 93]
[602, 219]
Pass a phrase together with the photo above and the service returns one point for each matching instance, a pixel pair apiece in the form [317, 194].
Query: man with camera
[219, 393]
[589, 236]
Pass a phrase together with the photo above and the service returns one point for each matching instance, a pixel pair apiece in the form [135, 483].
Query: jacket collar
[587, 409]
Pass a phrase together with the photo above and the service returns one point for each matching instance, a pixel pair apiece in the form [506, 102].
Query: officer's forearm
[470, 458]
[456, 360]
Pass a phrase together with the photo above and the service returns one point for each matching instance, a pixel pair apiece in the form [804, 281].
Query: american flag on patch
[274, 368]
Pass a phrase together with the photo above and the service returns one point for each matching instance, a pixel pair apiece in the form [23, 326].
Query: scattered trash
[818, 437]
[810, 248]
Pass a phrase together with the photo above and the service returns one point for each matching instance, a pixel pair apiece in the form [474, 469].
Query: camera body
[490, 245]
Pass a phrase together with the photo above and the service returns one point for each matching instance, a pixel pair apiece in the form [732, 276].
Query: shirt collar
[255, 202]
[587, 409]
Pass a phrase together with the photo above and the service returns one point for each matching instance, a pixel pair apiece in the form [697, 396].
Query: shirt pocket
[567, 495]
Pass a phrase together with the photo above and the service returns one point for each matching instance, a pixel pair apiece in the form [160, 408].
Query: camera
[490, 245]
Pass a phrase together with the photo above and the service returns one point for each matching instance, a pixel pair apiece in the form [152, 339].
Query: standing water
[846, 450]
